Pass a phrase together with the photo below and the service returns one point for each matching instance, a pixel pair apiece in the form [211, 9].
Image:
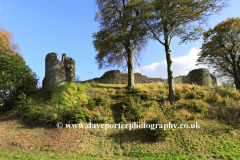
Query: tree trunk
[237, 81]
[236, 74]
[130, 68]
[170, 71]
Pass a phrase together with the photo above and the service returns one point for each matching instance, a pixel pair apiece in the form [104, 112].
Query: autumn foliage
[15, 76]
[6, 42]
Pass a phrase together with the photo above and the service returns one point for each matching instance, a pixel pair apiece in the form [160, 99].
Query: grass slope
[29, 130]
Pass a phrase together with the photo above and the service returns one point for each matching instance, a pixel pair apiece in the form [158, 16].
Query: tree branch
[154, 33]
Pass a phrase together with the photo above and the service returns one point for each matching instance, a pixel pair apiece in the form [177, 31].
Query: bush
[149, 103]
[91, 105]
[225, 103]
[193, 95]
[190, 106]
[181, 105]
[179, 96]
[185, 89]
[137, 99]
[196, 107]
[72, 94]
[237, 95]
[78, 115]
[157, 133]
[101, 101]
[94, 117]
[217, 97]
[67, 104]
[145, 97]
[37, 114]
[131, 109]
[104, 102]
[201, 94]
[224, 92]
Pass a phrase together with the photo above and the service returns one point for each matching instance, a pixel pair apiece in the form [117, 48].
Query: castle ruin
[199, 76]
[58, 72]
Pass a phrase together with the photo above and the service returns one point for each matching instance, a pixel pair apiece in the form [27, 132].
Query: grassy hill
[29, 130]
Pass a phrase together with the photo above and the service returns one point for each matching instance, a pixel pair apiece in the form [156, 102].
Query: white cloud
[181, 66]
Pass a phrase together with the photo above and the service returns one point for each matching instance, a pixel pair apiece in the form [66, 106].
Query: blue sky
[61, 26]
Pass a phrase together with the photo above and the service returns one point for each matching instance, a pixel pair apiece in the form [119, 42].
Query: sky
[60, 26]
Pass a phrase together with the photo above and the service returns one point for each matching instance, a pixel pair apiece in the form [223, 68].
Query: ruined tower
[202, 76]
[58, 72]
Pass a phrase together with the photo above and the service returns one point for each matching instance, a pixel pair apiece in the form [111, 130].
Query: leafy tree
[122, 34]
[171, 19]
[15, 76]
[6, 42]
[220, 49]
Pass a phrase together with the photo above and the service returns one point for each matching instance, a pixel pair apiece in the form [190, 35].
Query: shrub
[185, 89]
[72, 94]
[148, 103]
[76, 115]
[131, 109]
[137, 99]
[237, 95]
[196, 107]
[37, 114]
[145, 97]
[181, 105]
[92, 116]
[102, 101]
[201, 94]
[193, 95]
[231, 113]
[179, 95]
[224, 92]
[91, 105]
[191, 106]
[225, 103]
[157, 133]
[217, 97]
[67, 104]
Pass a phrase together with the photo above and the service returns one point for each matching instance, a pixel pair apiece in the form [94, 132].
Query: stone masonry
[58, 72]
[199, 76]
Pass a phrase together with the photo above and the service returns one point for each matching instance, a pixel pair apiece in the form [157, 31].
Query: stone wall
[58, 72]
[199, 76]
[116, 77]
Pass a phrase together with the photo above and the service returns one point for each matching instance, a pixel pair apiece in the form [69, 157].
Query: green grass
[214, 108]
[221, 149]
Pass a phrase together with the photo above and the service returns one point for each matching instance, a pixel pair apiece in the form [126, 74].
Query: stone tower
[58, 72]
[202, 76]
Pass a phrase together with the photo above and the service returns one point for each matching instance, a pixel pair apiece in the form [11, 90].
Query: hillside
[215, 109]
